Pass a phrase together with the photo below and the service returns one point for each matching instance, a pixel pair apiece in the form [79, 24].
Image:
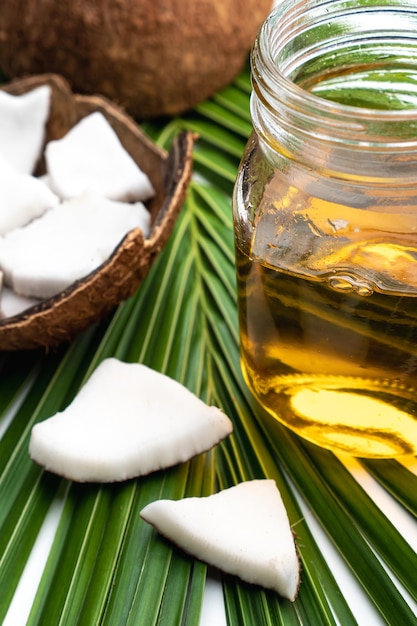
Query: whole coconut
[153, 57]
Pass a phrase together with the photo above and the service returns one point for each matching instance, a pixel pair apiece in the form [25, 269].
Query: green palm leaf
[105, 565]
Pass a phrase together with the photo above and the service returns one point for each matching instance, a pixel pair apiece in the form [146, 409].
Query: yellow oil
[336, 365]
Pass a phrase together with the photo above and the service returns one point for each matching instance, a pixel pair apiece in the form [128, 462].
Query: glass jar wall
[325, 218]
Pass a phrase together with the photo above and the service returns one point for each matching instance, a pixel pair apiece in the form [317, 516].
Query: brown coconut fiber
[152, 58]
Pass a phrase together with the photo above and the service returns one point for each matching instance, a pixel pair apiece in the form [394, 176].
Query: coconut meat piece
[243, 530]
[22, 197]
[90, 157]
[127, 420]
[12, 304]
[66, 243]
[22, 127]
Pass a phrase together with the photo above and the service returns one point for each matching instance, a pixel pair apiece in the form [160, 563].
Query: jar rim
[267, 75]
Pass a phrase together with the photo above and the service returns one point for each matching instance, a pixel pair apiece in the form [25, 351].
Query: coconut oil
[325, 215]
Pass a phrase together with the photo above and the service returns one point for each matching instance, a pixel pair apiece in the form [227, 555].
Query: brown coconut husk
[60, 318]
[153, 58]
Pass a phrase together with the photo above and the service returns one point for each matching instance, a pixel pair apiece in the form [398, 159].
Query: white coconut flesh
[67, 243]
[12, 304]
[47, 244]
[243, 531]
[23, 197]
[22, 127]
[127, 420]
[90, 157]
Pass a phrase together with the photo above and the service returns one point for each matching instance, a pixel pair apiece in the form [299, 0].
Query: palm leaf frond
[105, 565]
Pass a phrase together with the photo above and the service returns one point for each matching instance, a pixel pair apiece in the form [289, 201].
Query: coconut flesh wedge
[90, 157]
[22, 198]
[13, 304]
[242, 531]
[127, 420]
[23, 120]
[67, 243]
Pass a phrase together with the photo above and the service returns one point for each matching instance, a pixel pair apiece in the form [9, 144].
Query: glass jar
[325, 220]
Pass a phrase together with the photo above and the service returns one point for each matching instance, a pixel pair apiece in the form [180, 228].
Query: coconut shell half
[60, 318]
